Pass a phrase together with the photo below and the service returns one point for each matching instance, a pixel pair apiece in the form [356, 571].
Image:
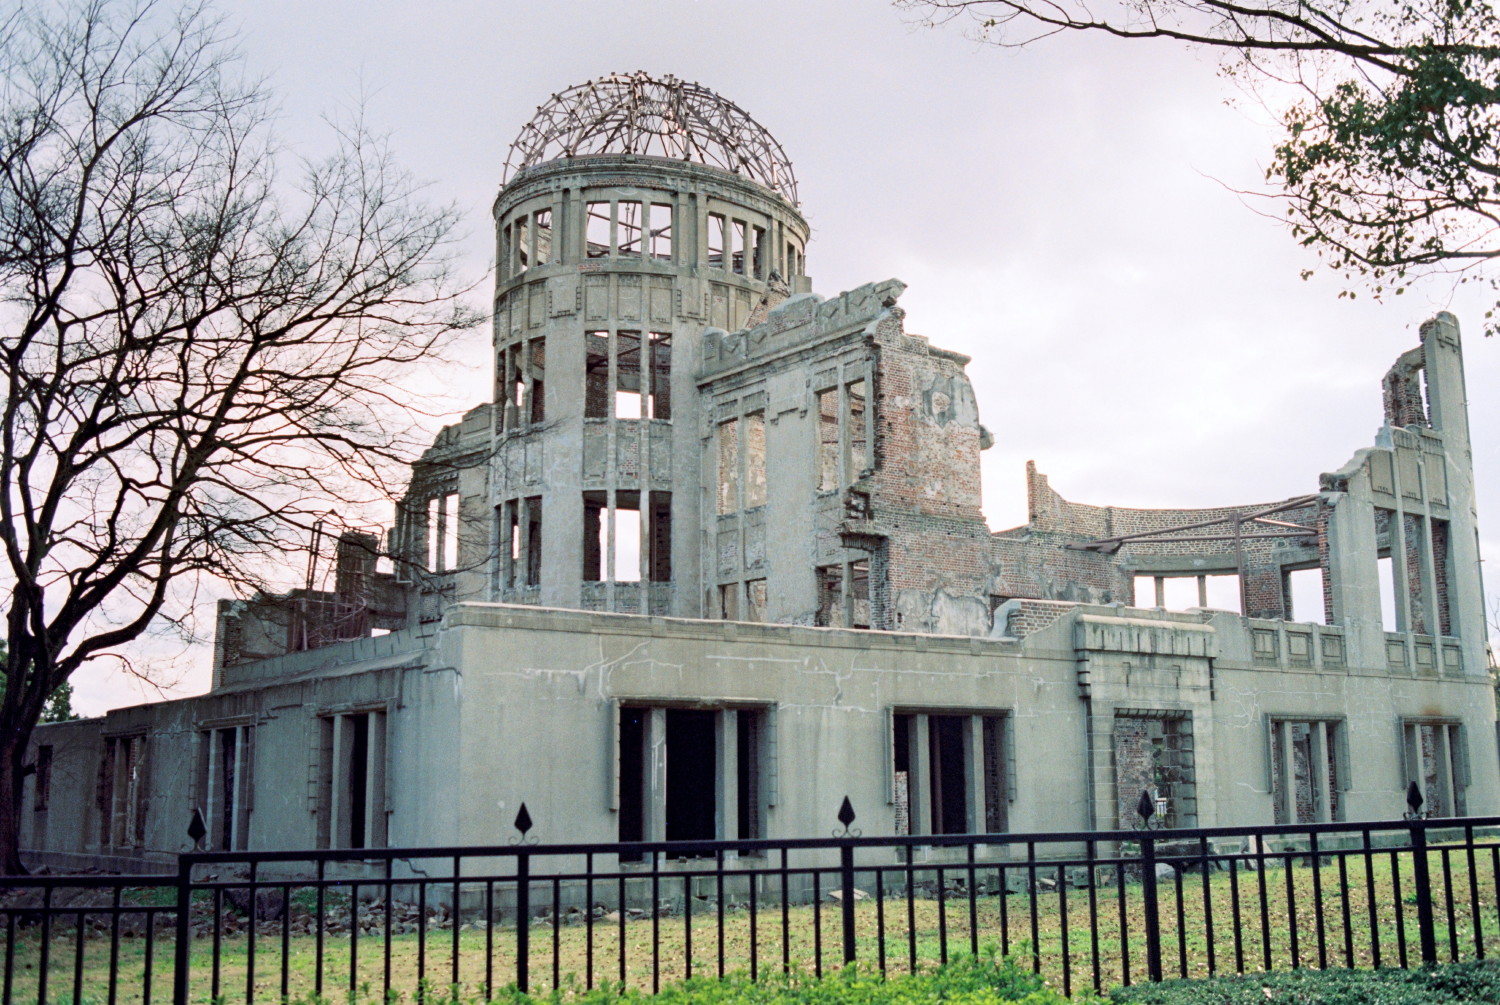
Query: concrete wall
[511, 704]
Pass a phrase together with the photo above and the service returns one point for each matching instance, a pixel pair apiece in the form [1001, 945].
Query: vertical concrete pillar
[1443, 754]
[1288, 775]
[1353, 571]
[374, 768]
[919, 777]
[726, 815]
[338, 808]
[974, 734]
[211, 795]
[235, 839]
[654, 810]
[1317, 766]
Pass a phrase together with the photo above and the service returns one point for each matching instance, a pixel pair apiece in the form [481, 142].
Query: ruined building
[713, 558]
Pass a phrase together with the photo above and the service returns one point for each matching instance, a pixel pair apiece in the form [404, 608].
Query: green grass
[813, 939]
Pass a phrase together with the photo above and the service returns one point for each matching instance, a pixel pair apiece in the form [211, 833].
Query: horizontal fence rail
[1085, 909]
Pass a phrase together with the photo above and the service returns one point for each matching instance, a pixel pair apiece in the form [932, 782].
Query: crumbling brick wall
[925, 489]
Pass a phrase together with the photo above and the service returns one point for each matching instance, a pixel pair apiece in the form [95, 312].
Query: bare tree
[1390, 162]
[197, 352]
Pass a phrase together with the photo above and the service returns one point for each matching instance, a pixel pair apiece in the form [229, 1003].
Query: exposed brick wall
[1034, 615]
[1402, 391]
[1060, 521]
[925, 490]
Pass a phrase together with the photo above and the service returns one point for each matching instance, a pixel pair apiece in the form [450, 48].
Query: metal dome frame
[635, 113]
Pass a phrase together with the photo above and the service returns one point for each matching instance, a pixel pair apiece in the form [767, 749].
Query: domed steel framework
[635, 113]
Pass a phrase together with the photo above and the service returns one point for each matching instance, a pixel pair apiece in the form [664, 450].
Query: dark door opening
[632, 775]
[692, 770]
[950, 804]
[359, 760]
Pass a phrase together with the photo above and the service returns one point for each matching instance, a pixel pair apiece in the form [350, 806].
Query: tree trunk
[12, 783]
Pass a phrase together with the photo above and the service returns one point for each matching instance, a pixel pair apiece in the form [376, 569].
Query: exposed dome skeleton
[635, 113]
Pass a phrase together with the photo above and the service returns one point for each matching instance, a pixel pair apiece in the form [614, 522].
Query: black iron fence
[1087, 909]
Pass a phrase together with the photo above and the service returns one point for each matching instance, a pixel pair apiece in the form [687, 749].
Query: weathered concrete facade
[714, 558]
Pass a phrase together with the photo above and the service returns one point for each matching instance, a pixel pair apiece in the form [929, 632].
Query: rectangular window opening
[859, 594]
[543, 237]
[750, 806]
[661, 375]
[659, 537]
[830, 595]
[759, 260]
[1154, 754]
[728, 441]
[859, 459]
[597, 401]
[450, 531]
[627, 550]
[1389, 618]
[729, 602]
[628, 400]
[1305, 596]
[523, 244]
[534, 541]
[737, 246]
[755, 460]
[755, 600]
[352, 786]
[122, 792]
[715, 241]
[628, 231]
[225, 786]
[1434, 755]
[510, 538]
[828, 440]
[596, 230]
[661, 231]
[537, 393]
[595, 543]
[1306, 777]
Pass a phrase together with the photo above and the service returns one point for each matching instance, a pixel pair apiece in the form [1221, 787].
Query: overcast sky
[1065, 214]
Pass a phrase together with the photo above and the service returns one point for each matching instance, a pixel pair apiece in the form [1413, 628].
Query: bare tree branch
[196, 348]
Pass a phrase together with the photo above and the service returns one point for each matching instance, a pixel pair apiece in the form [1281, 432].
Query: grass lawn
[1313, 918]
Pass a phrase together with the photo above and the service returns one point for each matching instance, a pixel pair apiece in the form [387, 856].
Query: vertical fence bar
[523, 921]
[846, 876]
[1398, 903]
[1451, 903]
[817, 925]
[1474, 893]
[1148, 895]
[1317, 877]
[1370, 897]
[656, 921]
[1036, 938]
[1347, 919]
[1208, 907]
[1093, 890]
[1182, 956]
[588, 920]
[557, 936]
[1422, 887]
[973, 904]
[114, 951]
[181, 949]
[1234, 914]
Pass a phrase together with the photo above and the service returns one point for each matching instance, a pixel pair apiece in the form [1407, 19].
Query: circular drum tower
[636, 214]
